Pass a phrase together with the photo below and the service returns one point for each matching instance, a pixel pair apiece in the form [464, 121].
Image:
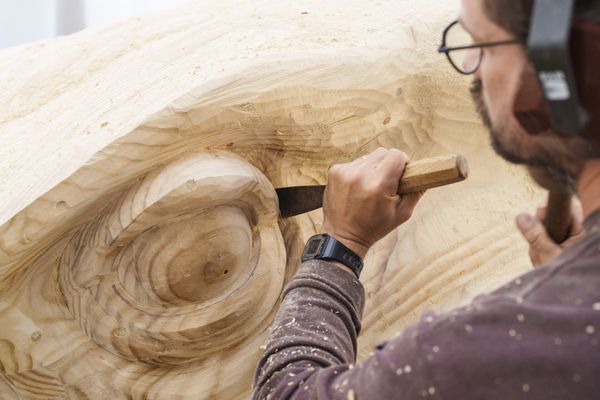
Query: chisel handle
[418, 176]
[433, 172]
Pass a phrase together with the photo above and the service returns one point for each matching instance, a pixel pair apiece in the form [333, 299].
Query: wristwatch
[325, 247]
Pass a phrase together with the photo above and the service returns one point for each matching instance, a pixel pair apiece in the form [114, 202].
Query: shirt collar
[592, 222]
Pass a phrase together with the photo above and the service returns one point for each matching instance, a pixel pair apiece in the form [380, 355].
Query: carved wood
[141, 255]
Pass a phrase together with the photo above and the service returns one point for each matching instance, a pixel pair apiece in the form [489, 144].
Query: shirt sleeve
[312, 346]
[534, 338]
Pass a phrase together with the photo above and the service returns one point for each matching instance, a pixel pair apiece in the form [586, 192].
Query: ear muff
[549, 49]
[585, 49]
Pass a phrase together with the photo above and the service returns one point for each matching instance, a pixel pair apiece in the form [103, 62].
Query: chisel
[418, 176]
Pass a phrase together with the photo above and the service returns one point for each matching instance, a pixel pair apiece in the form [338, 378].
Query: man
[536, 338]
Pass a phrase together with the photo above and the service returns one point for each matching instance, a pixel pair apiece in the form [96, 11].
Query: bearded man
[474, 352]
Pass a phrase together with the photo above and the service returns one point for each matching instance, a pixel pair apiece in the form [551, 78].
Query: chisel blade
[296, 200]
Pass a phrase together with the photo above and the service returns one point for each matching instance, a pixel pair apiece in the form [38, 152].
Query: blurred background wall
[23, 21]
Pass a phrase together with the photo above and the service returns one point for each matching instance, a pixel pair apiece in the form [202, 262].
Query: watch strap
[332, 250]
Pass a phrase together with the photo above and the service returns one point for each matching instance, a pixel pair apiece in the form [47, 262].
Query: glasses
[464, 55]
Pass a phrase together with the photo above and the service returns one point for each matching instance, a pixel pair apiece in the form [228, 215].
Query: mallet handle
[558, 220]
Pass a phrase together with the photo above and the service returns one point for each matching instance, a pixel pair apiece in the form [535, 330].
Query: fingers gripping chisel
[418, 176]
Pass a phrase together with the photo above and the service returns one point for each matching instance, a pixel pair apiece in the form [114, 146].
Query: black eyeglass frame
[446, 50]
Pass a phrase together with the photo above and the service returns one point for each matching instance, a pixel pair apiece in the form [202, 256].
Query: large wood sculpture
[141, 252]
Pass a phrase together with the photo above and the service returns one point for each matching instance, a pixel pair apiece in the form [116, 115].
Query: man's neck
[588, 186]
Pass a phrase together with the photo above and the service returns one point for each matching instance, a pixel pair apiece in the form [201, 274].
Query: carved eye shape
[198, 260]
[184, 264]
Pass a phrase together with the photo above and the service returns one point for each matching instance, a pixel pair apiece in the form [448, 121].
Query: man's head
[505, 75]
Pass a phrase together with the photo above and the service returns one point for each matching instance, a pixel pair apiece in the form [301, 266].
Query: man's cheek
[497, 103]
[490, 103]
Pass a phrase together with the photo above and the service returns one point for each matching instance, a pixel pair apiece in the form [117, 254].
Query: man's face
[496, 84]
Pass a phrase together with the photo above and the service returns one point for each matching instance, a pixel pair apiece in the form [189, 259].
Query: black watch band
[325, 247]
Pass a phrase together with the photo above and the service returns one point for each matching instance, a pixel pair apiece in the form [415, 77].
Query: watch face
[314, 246]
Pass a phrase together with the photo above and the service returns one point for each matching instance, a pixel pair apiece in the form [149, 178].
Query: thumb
[541, 247]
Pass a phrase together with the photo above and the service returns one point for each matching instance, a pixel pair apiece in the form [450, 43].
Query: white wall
[23, 21]
[26, 20]
[99, 12]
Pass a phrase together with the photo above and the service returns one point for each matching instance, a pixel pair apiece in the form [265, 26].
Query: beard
[477, 95]
[543, 161]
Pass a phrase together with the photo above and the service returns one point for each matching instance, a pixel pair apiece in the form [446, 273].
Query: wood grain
[184, 264]
[140, 252]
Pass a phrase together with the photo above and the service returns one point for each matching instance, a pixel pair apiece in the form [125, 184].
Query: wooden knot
[186, 263]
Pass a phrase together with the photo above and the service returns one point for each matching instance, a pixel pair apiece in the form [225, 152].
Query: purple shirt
[535, 338]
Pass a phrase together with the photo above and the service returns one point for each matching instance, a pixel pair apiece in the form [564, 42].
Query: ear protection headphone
[565, 54]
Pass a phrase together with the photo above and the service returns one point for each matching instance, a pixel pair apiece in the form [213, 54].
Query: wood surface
[140, 251]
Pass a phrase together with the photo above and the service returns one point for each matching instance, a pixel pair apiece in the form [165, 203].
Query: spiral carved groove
[186, 263]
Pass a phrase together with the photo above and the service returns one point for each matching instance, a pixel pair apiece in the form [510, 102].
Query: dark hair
[515, 15]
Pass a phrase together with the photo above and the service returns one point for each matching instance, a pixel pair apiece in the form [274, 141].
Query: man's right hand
[542, 248]
[361, 203]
